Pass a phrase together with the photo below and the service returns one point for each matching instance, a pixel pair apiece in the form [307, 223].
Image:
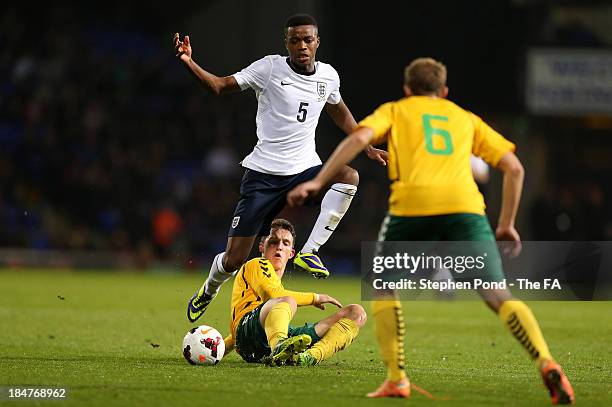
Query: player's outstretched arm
[215, 84]
[342, 116]
[514, 174]
[262, 281]
[343, 154]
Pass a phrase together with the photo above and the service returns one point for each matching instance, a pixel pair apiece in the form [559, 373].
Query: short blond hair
[425, 76]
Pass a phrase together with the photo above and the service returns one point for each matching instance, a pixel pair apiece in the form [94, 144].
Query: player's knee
[356, 313]
[233, 261]
[495, 298]
[348, 175]
[289, 300]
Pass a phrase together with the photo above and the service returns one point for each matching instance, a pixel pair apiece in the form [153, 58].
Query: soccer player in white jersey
[291, 92]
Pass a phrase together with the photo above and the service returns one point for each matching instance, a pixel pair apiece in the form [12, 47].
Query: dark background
[107, 145]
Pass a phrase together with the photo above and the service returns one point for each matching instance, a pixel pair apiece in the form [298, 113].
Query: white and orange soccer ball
[203, 346]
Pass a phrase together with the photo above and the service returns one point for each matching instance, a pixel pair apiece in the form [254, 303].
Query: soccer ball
[203, 346]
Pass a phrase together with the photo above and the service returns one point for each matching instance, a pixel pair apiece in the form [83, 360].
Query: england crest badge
[321, 90]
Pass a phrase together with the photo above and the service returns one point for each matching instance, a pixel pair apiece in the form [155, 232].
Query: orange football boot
[558, 385]
[392, 389]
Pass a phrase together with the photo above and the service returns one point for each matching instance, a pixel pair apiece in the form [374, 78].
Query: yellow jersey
[430, 141]
[256, 283]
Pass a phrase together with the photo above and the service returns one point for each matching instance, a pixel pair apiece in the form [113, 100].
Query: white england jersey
[288, 109]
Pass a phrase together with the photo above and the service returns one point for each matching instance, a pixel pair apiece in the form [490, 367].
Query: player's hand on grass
[376, 154]
[512, 240]
[322, 299]
[182, 49]
[298, 195]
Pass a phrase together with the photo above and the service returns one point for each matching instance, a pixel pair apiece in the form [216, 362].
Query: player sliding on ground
[291, 93]
[434, 197]
[262, 310]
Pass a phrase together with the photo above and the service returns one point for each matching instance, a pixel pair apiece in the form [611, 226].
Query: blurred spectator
[570, 211]
[167, 224]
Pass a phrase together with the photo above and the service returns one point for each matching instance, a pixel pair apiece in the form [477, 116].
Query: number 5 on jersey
[431, 131]
[302, 112]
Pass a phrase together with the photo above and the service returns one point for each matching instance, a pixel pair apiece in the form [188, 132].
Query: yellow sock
[389, 323]
[277, 323]
[340, 336]
[517, 316]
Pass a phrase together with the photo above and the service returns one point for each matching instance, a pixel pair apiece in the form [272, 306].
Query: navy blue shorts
[262, 197]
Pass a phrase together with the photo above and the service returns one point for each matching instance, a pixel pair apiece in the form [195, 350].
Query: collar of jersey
[301, 73]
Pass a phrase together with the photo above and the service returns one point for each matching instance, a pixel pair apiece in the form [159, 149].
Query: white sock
[216, 276]
[334, 205]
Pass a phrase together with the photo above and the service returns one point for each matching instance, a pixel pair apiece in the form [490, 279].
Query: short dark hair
[300, 19]
[425, 76]
[283, 224]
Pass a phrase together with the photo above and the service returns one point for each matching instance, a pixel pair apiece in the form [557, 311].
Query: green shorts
[251, 340]
[465, 227]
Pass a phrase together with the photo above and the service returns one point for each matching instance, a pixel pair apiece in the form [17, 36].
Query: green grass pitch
[92, 332]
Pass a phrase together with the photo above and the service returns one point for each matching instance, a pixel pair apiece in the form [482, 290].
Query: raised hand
[326, 299]
[182, 49]
[298, 195]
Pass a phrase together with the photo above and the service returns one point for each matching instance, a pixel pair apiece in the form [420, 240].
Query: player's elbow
[511, 165]
[218, 86]
[226, 84]
[516, 170]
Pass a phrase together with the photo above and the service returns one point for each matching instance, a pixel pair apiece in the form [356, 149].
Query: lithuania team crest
[321, 89]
